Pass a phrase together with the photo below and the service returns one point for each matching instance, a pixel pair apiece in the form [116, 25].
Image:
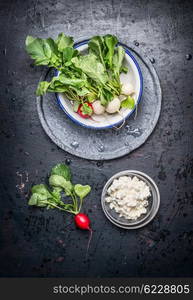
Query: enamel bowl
[105, 121]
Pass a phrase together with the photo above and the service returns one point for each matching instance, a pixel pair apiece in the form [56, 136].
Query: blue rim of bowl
[79, 44]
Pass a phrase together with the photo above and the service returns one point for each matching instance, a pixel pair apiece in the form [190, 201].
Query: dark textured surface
[111, 143]
[45, 243]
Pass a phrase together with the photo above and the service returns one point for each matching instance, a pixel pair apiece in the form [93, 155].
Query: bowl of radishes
[98, 82]
[94, 113]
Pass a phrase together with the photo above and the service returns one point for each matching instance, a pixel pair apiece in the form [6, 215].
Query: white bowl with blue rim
[105, 121]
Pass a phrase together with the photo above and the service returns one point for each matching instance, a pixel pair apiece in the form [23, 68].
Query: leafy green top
[51, 197]
[83, 78]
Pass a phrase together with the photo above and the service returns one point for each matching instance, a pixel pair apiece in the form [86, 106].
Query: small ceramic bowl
[134, 76]
[152, 208]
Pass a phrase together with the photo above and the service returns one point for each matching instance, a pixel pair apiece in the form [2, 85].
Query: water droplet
[136, 43]
[75, 144]
[68, 161]
[152, 60]
[100, 164]
[5, 51]
[13, 73]
[101, 148]
[13, 99]
[188, 56]
[133, 131]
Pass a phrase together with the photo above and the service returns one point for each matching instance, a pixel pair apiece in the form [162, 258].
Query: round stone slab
[109, 143]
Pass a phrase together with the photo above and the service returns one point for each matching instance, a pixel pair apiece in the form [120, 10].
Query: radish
[113, 106]
[98, 108]
[81, 110]
[60, 181]
[82, 221]
[127, 88]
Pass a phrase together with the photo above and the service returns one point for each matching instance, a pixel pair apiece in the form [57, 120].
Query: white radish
[127, 88]
[98, 108]
[113, 106]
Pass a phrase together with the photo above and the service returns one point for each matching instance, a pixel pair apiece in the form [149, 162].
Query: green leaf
[62, 84]
[103, 100]
[57, 89]
[43, 51]
[96, 46]
[41, 189]
[118, 60]
[80, 91]
[35, 48]
[62, 170]
[52, 46]
[86, 109]
[42, 88]
[64, 41]
[110, 41]
[82, 190]
[39, 200]
[91, 97]
[68, 54]
[129, 102]
[50, 52]
[105, 96]
[92, 67]
[56, 192]
[40, 195]
[60, 181]
[66, 82]
[29, 40]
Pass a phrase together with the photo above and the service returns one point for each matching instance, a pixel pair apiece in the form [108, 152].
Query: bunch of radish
[51, 197]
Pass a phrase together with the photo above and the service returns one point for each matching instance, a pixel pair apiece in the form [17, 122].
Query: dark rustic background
[36, 242]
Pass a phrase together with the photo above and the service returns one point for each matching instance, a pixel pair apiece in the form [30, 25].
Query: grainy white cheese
[128, 196]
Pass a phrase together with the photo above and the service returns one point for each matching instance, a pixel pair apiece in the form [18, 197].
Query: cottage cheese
[128, 196]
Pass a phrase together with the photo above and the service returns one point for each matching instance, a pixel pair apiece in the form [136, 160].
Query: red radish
[81, 113]
[82, 221]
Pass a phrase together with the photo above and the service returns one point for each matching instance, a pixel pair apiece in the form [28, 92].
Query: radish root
[122, 124]
[89, 240]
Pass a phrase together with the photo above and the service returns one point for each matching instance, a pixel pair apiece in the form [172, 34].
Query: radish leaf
[64, 41]
[129, 102]
[41, 189]
[92, 67]
[82, 190]
[96, 46]
[60, 181]
[110, 41]
[38, 200]
[62, 170]
[118, 60]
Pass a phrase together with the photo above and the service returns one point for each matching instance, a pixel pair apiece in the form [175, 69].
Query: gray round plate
[109, 143]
